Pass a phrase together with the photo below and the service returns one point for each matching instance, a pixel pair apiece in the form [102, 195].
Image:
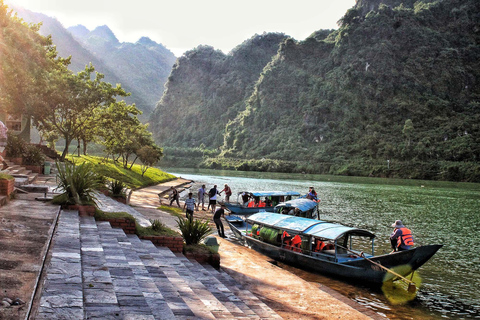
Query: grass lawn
[131, 177]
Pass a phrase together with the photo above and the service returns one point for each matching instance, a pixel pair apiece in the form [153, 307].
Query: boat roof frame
[271, 193]
[307, 227]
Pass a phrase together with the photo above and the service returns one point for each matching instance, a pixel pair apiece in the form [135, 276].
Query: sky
[181, 25]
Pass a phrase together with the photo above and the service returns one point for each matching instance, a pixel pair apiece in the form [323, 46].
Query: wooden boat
[326, 248]
[301, 207]
[250, 202]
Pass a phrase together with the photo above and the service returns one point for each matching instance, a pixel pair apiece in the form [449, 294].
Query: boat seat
[332, 251]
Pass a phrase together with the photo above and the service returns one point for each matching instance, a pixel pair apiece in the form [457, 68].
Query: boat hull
[358, 270]
[246, 211]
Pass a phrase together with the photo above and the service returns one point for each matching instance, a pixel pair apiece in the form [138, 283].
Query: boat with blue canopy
[249, 202]
[327, 248]
[301, 207]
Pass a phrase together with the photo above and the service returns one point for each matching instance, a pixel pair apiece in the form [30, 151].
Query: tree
[122, 133]
[68, 99]
[26, 57]
[149, 155]
[408, 130]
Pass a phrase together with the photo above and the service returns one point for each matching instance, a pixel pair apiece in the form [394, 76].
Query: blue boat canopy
[301, 203]
[271, 193]
[309, 227]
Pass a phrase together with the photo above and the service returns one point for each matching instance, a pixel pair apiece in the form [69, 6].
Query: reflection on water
[436, 212]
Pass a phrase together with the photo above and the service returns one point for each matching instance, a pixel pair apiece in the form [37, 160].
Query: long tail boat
[327, 248]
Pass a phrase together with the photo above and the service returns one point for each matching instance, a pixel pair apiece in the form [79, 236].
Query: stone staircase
[98, 272]
[21, 174]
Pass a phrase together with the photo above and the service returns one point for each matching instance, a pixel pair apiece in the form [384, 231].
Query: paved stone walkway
[108, 204]
[97, 272]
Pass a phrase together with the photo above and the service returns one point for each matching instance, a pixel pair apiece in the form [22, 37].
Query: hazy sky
[181, 25]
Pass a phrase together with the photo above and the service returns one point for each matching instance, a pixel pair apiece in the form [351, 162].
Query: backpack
[212, 192]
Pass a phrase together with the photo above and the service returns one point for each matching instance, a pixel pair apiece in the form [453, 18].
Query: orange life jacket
[406, 238]
[251, 204]
[286, 239]
[319, 245]
[261, 204]
[296, 243]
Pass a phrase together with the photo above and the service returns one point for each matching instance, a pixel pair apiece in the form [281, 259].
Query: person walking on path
[228, 192]
[201, 197]
[212, 196]
[190, 206]
[3, 143]
[175, 197]
[218, 222]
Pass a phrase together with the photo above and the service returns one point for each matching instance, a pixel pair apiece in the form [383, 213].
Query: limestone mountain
[398, 81]
[144, 65]
[141, 68]
[207, 89]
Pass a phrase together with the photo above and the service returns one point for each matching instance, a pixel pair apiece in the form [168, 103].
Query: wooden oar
[411, 285]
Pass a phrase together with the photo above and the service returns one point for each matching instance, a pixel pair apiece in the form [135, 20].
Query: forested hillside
[397, 83]
[141, 68]
[207, 88]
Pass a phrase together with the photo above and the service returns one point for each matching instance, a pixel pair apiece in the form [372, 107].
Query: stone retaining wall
[127, 225]
[175, 244]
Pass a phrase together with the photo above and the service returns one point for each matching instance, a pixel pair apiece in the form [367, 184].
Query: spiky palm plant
[193, 231]
[78, 183]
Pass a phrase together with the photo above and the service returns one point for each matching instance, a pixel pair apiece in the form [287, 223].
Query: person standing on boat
[190, 206]
[218, 222]
[245, 198]
[401, 238]
[201, 197]
[228, 192]
[312, 194]
[212, 195]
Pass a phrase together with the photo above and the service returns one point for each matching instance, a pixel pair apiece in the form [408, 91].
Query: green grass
[132, 178]
[198, 248]
[5, 176]
[139, 230]
[178, 212]
[101, 215]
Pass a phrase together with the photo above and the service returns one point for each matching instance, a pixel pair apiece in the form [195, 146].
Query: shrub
[33, 156]
[15, 146]
[117, 188]
[157, 225]
[193, 231]
[78, 184]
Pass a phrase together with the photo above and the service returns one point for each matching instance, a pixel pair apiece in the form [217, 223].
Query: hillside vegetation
[393, 92]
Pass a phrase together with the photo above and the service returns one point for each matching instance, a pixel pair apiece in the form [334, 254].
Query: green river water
[437, 213]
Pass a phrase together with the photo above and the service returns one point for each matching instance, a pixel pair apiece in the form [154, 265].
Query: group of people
[401, 238]
[190, 204]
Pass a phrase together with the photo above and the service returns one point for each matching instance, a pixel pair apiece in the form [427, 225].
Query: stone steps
[21, 174]
[99, 272]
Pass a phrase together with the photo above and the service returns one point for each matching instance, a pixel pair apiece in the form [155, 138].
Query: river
[437, 213]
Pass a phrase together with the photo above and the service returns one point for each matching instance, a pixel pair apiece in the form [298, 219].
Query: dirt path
[25, 228]
[290, 296]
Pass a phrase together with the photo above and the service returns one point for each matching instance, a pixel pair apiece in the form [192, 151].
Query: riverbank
[290, 296]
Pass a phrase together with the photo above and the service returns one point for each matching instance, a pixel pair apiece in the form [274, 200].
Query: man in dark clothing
[174, 197]
[216, 218]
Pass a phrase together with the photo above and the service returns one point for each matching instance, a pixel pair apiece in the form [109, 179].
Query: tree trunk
[65, 151]
[133, 163]
[84, 147]
[78, 148]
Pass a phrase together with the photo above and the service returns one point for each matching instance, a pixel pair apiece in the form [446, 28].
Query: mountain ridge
[119, 63]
